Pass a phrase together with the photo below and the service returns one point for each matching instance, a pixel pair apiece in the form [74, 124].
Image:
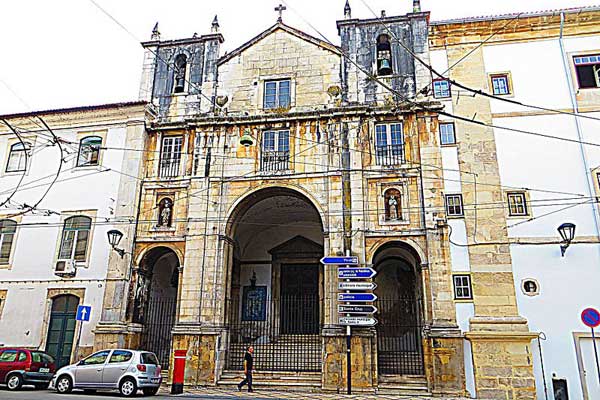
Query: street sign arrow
[333, 260]
[358, 309]
[357, 297]
[358, 321]
[357, 286]
[356, 273]
[83, 313]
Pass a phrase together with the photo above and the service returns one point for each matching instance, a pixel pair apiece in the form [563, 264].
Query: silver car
[125, 370]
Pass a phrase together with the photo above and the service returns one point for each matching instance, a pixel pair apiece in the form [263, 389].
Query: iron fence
[390, 154]
[159, 321]
[275, 160]
[399, 336]
[169, 167]
[285, 333]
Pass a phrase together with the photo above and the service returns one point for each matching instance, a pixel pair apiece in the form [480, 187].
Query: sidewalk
[226, 393]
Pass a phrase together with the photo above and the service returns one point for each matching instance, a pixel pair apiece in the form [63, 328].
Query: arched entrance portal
[155, 304]
[276, 282]
[61, 330]
[399, 331]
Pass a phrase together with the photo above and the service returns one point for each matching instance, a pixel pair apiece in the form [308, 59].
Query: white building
[549, 60]
[54, 218]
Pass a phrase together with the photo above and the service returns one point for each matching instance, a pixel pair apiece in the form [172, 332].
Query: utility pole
[347, 222]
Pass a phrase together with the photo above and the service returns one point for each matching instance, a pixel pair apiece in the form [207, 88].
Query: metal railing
[285, 333]
[169, 167]
[159, 321]
[274, 160]
[390, 154]
[399, 336]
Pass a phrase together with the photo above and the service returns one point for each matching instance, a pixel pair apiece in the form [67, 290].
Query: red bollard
[178, 372]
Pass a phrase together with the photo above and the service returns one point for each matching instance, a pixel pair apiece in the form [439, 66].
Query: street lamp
[114, 237]
[567, 232]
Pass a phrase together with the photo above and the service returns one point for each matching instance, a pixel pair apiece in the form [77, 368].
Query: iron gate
[399, 337]
[156, 337]
[279, 344]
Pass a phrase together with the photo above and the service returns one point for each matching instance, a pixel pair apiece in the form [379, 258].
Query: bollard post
[178, 372]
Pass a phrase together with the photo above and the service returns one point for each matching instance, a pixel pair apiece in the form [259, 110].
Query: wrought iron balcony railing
[169, 167]
[275, 160]
[390, 154]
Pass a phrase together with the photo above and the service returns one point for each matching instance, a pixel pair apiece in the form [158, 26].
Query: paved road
[30, 394]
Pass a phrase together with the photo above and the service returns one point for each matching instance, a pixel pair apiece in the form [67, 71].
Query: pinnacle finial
[215, 25]
[416, 6]
[347, 10]
[280, 9]
[155, 33]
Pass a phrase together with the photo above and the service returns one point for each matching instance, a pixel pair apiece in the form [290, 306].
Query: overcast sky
[62, 53]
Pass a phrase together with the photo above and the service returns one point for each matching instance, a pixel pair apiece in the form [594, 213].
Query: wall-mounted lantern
[567, 233]
[114, 238]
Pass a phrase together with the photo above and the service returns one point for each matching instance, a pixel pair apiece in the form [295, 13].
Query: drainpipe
[590, 184]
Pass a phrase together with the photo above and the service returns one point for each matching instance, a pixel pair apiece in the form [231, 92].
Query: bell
[385, 67]
[247, 139]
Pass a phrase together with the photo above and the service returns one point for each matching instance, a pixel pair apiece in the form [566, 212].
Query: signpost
[356, 273]
[357, 286]
[83, 315]
[358, 321]
[333, 260]
[591, 318]
[353, 309]
[357, 297]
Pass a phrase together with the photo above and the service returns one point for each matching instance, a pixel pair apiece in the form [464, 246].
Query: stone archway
[275, 285]
[155, 300]
[400, 313]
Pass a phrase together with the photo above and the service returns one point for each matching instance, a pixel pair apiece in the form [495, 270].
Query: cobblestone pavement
[221, 393]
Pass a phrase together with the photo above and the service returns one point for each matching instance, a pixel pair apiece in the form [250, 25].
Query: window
[22, 356]
[89, 151]
[96, 358]
[500, 84]
[17, 158]
[38, 356]
[7, 235]
[384, 56]
[74, 242]
[462, 287]
[148, 358]
[588, 71]
[275, 151]
[8, 356]
[389, 144]
[277, 94]
[441, 88]
[454, 206]
[179, 73]
[447, 133]
[170, 156]
[517, 204]
[119, 356]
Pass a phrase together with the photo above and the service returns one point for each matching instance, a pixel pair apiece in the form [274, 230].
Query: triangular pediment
[297, 246]
[279, 26]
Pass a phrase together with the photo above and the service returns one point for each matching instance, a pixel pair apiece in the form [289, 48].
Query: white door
[589, 367]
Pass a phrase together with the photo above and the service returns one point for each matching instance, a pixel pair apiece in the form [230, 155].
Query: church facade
[261, 161]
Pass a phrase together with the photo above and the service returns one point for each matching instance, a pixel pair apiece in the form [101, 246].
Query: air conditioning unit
[65, 268]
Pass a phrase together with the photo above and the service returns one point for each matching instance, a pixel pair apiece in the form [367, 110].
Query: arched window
[165, 212]
[17, 159]
[393, 206]
[75, 236]
[7, 235]
[89, 151]
[384, 56]
[179, 74]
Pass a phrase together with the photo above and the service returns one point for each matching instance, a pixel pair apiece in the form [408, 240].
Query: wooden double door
[299, 309]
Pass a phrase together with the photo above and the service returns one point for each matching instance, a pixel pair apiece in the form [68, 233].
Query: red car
[20, 367]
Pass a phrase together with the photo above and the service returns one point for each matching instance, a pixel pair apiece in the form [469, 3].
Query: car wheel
[14, 382]
[127, 387]
[64, 384]
[150, 391]
[41, 386]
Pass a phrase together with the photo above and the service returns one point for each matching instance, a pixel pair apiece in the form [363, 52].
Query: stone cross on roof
[280, 8]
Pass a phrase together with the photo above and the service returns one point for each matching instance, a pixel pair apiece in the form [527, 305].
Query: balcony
[169, 167]
[272, 161]
[390, 154]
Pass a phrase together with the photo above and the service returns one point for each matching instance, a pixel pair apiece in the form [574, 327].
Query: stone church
[263, 160]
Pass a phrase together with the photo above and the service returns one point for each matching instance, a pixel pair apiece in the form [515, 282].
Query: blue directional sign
[332, 260]
[357, 297]
[83, 313]
[356, 273]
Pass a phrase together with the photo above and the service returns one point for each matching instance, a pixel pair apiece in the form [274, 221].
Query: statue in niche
[392, 205]
[165, 212]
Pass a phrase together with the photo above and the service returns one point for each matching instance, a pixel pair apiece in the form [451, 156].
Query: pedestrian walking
[248, 364]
